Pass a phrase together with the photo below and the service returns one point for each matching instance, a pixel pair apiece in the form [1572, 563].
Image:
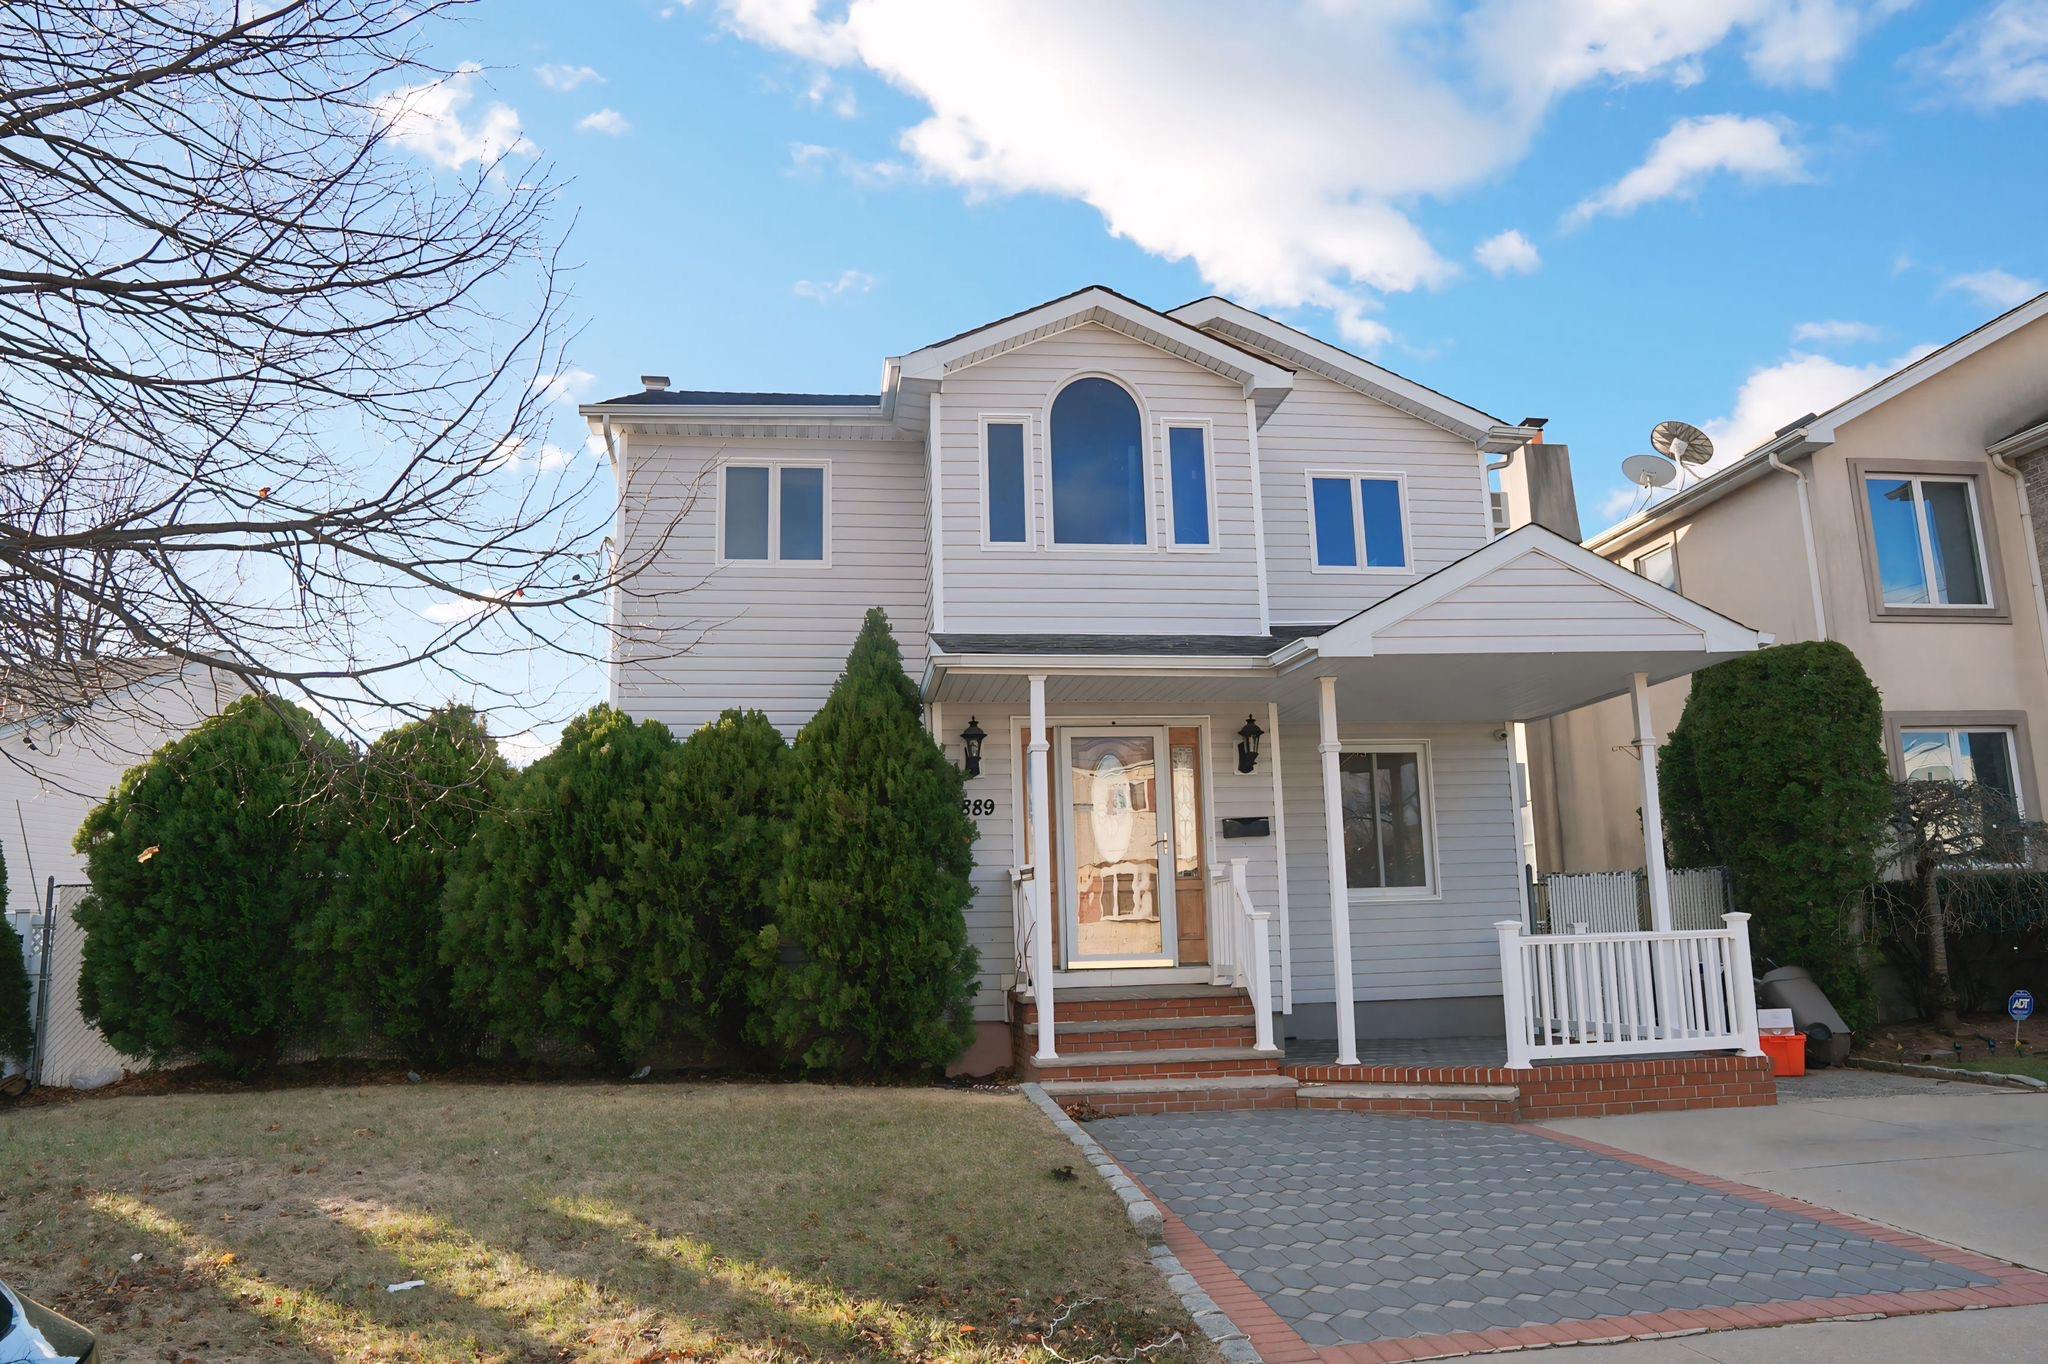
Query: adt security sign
[2020, 1006]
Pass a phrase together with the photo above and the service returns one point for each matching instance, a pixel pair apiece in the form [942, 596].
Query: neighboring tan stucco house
[1115, 541]
[1898, 522]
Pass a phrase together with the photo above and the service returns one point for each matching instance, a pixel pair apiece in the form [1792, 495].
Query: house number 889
[978, 807]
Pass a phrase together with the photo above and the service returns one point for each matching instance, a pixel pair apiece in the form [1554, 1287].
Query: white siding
[1439, 948]
[1138, 591]
[46, 793]
[1322, 425]
[703, 638]
[1537, 596]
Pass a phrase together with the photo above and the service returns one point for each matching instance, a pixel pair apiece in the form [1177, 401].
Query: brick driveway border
[1358, 1239]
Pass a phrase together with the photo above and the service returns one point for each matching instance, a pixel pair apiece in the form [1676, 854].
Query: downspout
[2004, 466]
[1820, 610]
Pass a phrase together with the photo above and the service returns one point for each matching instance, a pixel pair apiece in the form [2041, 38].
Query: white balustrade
[1241, 945]
[1585, 995]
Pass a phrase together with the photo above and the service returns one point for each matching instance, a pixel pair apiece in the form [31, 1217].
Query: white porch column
[1653, 809]
[1340, 898]
[1041, 869]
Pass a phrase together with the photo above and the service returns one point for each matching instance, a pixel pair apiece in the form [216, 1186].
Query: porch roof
[1527, 626]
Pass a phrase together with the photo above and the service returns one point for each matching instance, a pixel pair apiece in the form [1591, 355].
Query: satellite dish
[1649, 471]
[1682, 441]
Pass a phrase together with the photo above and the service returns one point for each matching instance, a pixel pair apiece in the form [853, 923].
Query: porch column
[1653, 809]
[1041, 869]
[1340, 899]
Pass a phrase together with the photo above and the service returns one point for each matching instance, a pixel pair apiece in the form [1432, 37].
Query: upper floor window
[1098, 466]
[1659, 565]
[1987, 756]
[1358, 524]
[1006, 481]
[1928, 540]
[772, 513]
[1187, 484]
[1388, 820]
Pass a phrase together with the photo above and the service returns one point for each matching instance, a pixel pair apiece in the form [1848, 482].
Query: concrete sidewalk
[1958, 1163]
[2009, 1333]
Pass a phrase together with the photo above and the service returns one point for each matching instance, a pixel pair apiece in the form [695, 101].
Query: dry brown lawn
[574, 1221]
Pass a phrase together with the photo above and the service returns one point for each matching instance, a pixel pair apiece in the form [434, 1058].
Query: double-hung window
[1988, 756]
[1389, 825]
[773, 513]
[1006, 479]
[1358, 523]
[1188, 485]
[1928, 541]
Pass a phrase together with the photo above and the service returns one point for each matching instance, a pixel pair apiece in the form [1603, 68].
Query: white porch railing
[1585, 995]
[1241, 945]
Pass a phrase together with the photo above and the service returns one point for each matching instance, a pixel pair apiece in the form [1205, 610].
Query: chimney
[1538, 487]
[654, 383]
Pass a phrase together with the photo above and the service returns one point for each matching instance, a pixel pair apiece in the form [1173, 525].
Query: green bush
[1777, 771]
[876, 971]
[709, 885]
[17, 1030]
[373, 953]
[545, 928]
[205, 864]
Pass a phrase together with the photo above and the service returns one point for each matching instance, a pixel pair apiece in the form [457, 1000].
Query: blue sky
[1728, 213]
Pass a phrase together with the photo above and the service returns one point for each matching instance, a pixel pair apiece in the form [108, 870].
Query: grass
[2033, 1066]
[574, 1222]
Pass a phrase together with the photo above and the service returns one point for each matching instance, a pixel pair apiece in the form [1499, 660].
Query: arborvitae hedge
[547, 938]
[373, 953]
[877, 973]
[17, 1030]
[1777, 771]
[708, 882]
[206, 863]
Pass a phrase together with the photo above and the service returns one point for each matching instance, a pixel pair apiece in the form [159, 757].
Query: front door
[1116, 829]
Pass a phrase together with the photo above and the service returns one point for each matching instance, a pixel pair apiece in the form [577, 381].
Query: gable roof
[697, 397]
[1234, 321]
[1263, 380]
[1589, 604]
[1818, 430]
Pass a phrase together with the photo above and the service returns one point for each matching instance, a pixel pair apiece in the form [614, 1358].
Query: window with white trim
[1358, 524]
[1659, 565]
[1929, 541]
[773, 513]
[1006, 480]
[1188, 503]
[1989, 756]
[1098, 466]
[1389, 822]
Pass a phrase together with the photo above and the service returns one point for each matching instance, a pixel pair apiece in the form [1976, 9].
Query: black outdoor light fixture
[970, 745]
[1248, 744]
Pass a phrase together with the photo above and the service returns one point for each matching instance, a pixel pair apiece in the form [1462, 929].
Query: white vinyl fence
[1588, 995]
[1619, 901]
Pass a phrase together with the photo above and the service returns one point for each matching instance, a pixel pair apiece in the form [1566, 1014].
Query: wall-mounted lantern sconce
[970, 745]
[1248, 745]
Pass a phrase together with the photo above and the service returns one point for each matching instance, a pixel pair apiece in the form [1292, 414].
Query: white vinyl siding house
[1178, 605]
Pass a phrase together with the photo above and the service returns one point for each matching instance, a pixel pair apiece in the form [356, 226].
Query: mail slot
[1247, 826]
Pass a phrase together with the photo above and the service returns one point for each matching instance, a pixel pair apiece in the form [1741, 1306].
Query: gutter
[2001, 456]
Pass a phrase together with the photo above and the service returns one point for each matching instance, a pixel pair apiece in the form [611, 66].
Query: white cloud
[1751, 148]
[1182, 124]
[523, 748]
[1805, 42]
[1835, 333]
[567, 78]
[1619, 502]
[511, 455]
[569, 386]
[828, 291]
[1995, 288]
[807, 159]
[826, 93]
[429, 119]
[1995, 59]
[1776, 394]
[610, 122]
[1508, 253]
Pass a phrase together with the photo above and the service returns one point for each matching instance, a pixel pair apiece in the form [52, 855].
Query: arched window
[1098, 466]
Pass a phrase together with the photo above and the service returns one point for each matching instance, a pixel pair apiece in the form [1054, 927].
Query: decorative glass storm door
[1116, 825]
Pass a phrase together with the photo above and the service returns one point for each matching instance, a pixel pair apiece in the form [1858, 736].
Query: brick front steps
[1188, 1049]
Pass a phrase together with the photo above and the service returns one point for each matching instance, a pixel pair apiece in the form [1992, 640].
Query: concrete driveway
[1958, 1163]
